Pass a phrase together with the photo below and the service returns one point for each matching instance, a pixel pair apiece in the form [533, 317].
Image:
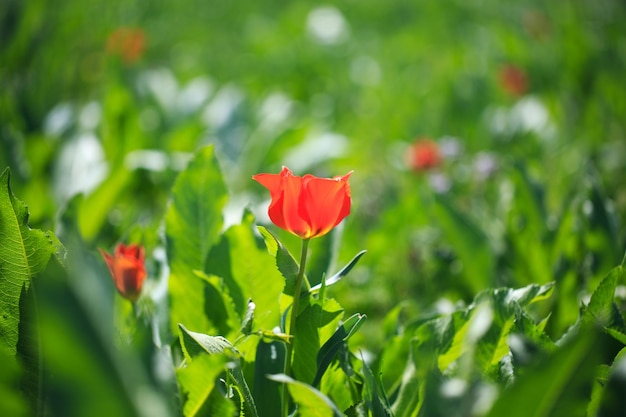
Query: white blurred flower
[439, 182]
[485, 164]
[527, 115]
[81, 166]
[194, 94]
[275, 110]
[327, 25]
[219, 111]
[449, 147]
[59, 119]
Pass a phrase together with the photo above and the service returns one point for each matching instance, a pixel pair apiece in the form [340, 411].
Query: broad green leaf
[601, 306]
[192, 225]
[194, 343]
[248, 405]
[483, 328]
[24, 253]
[197, 381]
[198, 344]
[248, 273]
[310, 402]
[558, 386]
[219, 306]
[341, 388]
[270, 360]
[306, 343]
[285, 262]
[329, 350]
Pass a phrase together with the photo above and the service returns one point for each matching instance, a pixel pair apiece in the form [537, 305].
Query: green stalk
[292, 320]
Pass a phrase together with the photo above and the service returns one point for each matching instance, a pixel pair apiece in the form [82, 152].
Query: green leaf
[411, 392]
[342, 273]
[270, 360]
[219, 306]
[197, 381]
[248, 403]
[306, 343]
[286, 263]
[374, 395]
[559, 386]
[310, 402]
[192, 225]
[601, 307]
[198, 345]
[248, 273]
[329, 350]
[194, 343]
[24, 253]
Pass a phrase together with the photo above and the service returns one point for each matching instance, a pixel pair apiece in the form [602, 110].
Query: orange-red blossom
[306, 206]
[127, 269]
[423, 155]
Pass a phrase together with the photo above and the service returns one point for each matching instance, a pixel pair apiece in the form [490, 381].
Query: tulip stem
[292, 320]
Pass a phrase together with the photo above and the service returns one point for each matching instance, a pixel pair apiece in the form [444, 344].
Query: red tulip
[306, 206]
[127, 269]
[128, 43]
[423, 155]
[513, 80]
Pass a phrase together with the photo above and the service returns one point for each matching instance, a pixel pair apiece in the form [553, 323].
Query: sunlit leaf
[248, 272]
[194, 343]
[197, 380]
[285, 262]
[559, 386]
[192, 225]
[24, 253]
[307, 340]
[329, 349]
[310, 402]
[270, 360]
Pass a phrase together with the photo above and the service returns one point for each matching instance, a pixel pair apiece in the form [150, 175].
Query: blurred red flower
[513, 80]
[128, 43]
[423, 155]
[127, 269]
[306, 206]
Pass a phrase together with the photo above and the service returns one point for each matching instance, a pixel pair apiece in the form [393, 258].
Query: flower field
[341, 209]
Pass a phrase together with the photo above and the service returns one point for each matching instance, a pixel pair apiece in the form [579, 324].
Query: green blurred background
[526, 101]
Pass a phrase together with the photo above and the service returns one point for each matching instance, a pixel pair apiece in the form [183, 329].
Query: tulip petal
[324, 203]
[292, 189]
